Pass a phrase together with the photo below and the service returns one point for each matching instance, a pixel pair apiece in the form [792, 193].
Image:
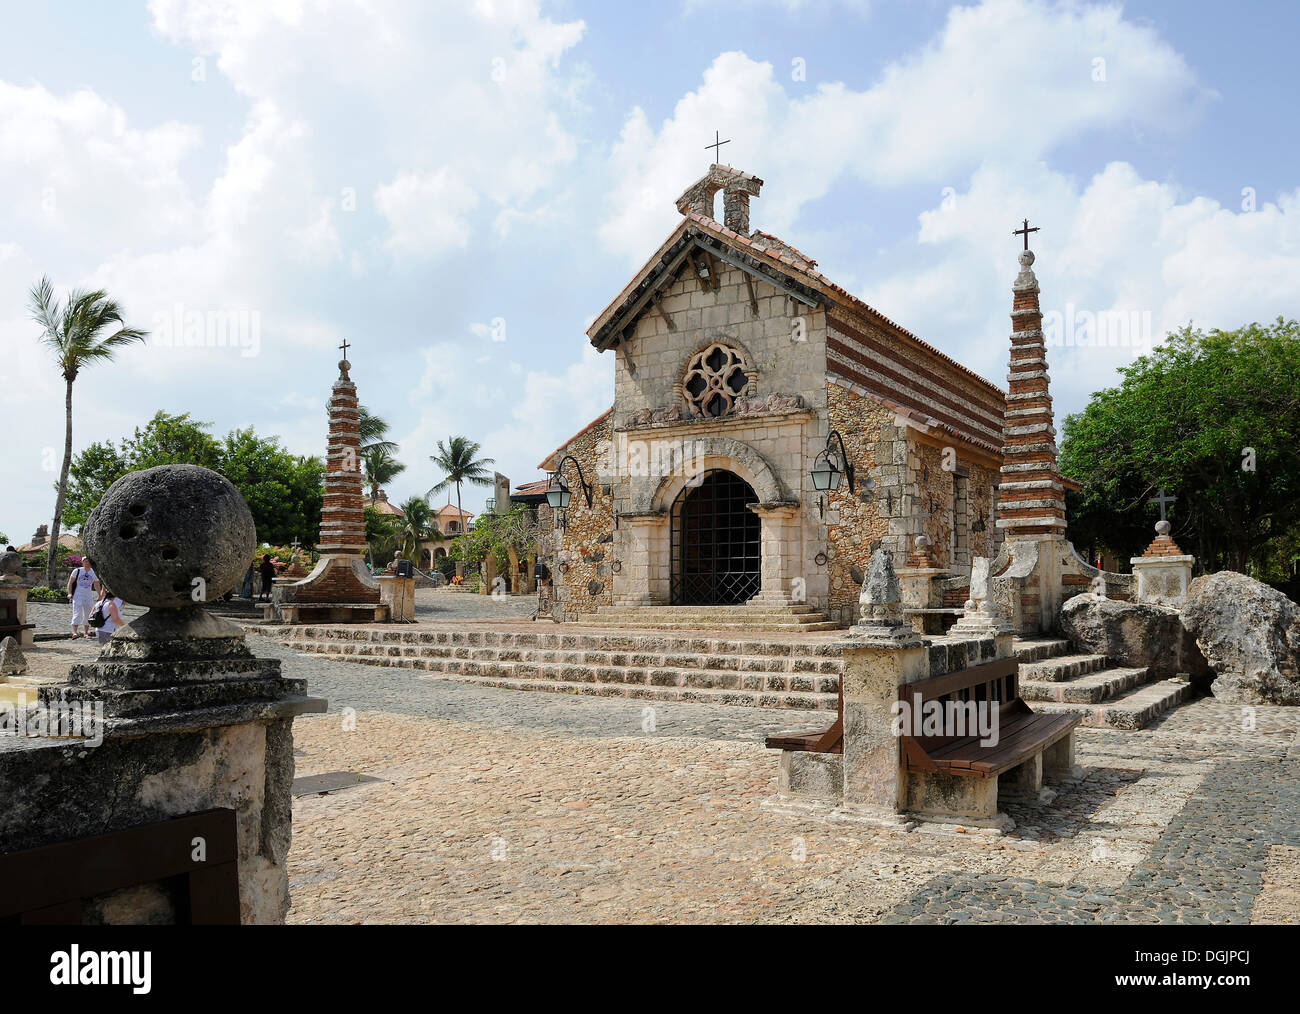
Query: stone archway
[646, 533]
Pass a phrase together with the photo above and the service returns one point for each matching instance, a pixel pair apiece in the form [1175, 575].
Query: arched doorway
[716, 542]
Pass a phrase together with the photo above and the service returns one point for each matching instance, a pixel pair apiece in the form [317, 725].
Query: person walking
[267, 570]
[109, 608]
[82, 585]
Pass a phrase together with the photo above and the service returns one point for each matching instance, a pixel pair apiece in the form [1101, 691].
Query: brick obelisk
[340, 589]
[343, 520]
[1031, 498]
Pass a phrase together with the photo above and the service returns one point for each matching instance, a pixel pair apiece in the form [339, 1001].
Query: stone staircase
[746, 670]
[1055, 678]
[757, 618]
[662, 666]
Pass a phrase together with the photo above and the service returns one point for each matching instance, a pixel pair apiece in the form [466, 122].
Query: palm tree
[75, 334]
[415, 527]
[458, 465]
[379, 467]
[373, 429]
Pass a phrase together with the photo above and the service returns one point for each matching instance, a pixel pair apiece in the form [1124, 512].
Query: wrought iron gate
[716, 542]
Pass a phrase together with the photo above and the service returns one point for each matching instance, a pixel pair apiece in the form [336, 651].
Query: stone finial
[921, 556]
[11, 568]
[12, 660]
[880, 603]
[1163, 527]
[172, 538]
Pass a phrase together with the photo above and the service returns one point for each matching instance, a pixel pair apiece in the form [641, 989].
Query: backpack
[97, 617]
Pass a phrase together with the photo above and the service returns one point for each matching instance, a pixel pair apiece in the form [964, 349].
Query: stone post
[880, 655]
[398, 593]
[176, 716]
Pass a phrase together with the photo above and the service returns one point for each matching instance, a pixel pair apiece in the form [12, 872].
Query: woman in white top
[81, 591]
[112, 612]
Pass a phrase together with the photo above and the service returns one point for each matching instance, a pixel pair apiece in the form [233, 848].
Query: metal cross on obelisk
[716, 145]
[1025, 231]
[344, 347]
[1163, 501]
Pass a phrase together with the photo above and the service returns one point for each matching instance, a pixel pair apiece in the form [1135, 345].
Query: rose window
[714, 379]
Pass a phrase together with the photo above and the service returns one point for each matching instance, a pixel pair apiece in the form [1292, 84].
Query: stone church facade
[735, 359]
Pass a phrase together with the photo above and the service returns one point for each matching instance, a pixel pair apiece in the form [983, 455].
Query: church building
[768, 431]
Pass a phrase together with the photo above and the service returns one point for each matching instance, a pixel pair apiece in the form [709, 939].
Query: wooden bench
[954, 775]
[1022, 733]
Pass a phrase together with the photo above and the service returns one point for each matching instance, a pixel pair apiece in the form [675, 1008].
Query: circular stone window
[714, 378]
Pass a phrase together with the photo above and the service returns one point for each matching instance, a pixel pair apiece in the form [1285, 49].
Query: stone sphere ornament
[171, 537]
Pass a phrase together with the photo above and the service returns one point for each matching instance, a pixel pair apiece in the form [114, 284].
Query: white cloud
[1004, 79]
[1113, 244]
[426, 213]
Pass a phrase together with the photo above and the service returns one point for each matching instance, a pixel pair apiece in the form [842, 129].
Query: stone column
[177, 716]
[642, 554]
[779, 549]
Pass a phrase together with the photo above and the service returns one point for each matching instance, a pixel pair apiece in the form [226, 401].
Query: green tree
[379, 468]
[1213, 418]
[381, 537]
[87, 329]
[414, 527]
[373, 431]
[283, 491]
[458, 462]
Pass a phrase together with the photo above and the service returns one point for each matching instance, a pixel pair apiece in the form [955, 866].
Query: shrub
[42, 594]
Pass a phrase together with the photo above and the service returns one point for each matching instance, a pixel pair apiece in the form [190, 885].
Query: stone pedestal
[398, 594]
[875, 665]
[1164, 572]
[13, 603]
[175, 717]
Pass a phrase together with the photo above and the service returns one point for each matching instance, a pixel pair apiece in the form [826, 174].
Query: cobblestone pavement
[511, 806]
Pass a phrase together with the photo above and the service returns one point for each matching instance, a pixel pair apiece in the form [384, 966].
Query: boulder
[1251, 635]
[1135, 634]
[12, 660]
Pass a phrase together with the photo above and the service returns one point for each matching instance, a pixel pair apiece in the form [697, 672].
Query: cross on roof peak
[716, 145]
[344, 347]
[1025, 231]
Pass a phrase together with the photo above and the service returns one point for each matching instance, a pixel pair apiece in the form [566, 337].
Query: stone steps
[800, 691]
[1091, 688]
[1061, 668]
[802, 675]
[1059, 680]
[745, 617]
[1135, 709]
[1032, 649]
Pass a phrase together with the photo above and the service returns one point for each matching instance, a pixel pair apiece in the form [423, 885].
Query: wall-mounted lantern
[558, 493]
[826, 470]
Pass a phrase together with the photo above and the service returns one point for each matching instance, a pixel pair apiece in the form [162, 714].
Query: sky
[460, 188]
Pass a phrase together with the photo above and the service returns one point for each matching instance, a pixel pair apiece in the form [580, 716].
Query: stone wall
[584, 566]
[872, 441]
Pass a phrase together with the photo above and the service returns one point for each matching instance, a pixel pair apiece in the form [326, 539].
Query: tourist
[267, 570]
[110, 615]
[246, 588]
[82, 585]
